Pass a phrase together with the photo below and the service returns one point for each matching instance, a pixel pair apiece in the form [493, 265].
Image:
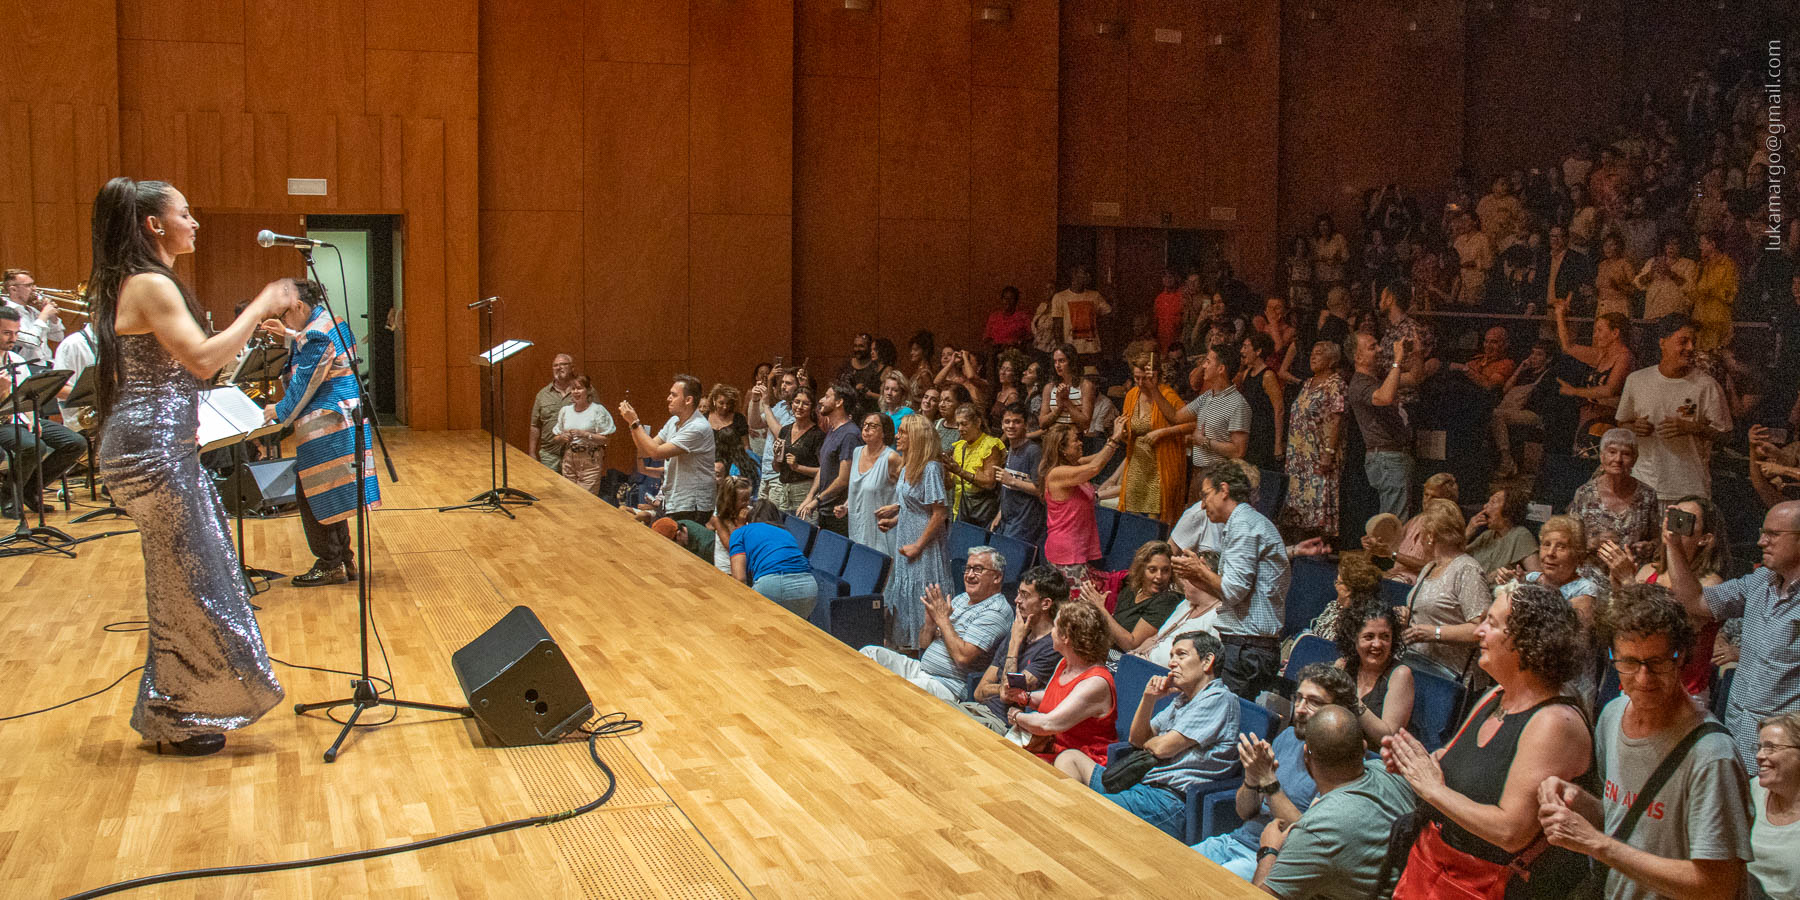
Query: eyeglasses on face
[1629, 665]
[981, 570]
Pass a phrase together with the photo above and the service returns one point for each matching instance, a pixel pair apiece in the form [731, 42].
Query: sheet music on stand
[228, 416]
[500, 352]
[260, 364]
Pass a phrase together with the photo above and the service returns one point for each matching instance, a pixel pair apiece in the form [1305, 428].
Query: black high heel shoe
[198, 745]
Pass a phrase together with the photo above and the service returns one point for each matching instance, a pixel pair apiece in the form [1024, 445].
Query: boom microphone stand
[363, 694]
[498, 494]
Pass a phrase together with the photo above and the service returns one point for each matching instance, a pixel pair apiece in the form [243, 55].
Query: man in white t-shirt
[685, 444]
[1678, 412]
[1077, 311]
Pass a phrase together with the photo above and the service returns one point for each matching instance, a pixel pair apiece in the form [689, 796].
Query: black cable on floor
[608, 727]
[76, 700]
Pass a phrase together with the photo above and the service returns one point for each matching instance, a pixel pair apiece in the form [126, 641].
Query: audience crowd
[1629, 678]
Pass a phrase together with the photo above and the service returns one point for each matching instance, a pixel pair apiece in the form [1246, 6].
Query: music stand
[85, 395]
[499, 493]
[229, 418]
[262, 367]
[31, 395]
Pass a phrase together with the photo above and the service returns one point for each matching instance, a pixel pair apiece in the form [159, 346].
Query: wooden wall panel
[1350, 121]
[531, 105]
[1577, 82]
[64, 52]
[925, 36]
[462, 269]
[832, 40]
[439, 25]
[416, 83]
[925, 280]
[924, 145]
[213, 21]
[427, 353]
[305, 56]
[837, 204]
[1012, 180]
[1093, 124]
[358, 184]
[1020, 53]
[178, 76]
[1164, 70]
[649, 31]
[741, 106]
[635, 211]
[229, 266]
[532, 259]
[741, 284]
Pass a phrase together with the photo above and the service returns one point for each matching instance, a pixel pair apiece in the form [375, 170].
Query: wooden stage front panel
[774, 761]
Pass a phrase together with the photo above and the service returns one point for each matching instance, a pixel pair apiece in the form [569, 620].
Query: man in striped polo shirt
[1768, 673]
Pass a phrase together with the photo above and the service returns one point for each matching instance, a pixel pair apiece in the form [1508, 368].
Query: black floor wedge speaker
[519, 684]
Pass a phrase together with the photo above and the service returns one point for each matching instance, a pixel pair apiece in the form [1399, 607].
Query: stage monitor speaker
[260, 487]
[519, 684]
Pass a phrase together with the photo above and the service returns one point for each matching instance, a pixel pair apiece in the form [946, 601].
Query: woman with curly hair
[1146, 600]
[1078, 706]
[1479, 798]
[1357, 582]
[1370, 638]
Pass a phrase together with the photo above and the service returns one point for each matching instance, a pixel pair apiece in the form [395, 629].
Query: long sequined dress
[207, 670]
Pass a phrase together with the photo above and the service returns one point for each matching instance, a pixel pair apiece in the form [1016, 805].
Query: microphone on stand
[484, 302]
[267, 238]
[209, 325]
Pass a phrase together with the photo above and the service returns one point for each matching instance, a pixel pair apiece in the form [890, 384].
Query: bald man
[1768, 672]
[1336, 848]
[550, 401]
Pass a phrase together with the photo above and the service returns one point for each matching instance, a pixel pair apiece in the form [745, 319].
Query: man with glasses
[1251, 580]
[959, 635]
[1692, 835]
[1768, 673]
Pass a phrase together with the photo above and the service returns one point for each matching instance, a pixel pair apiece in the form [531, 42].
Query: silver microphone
[267, 238]
[484, 302]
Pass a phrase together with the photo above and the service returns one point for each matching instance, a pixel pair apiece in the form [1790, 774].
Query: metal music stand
[31, 395]
[498, 494]
[262, 368]
[236, 440]
[84, 394]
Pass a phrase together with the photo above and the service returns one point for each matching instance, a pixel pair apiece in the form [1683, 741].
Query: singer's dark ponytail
[123, 248]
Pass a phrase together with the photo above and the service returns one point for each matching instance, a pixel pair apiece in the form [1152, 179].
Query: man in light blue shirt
[768, 420]
[1252, 581]
[959, 635]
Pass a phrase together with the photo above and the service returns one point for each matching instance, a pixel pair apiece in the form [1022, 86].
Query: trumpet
[72, 302]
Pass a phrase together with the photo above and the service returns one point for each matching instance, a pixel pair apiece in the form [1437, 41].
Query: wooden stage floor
[774, 761]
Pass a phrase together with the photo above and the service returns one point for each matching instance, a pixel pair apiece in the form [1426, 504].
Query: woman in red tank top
[1077, 708]
[1708, 554]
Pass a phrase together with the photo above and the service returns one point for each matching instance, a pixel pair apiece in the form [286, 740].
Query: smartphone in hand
[1016, 681]
[1679, 521]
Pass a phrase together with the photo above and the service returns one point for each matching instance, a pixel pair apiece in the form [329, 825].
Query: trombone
[72, 302]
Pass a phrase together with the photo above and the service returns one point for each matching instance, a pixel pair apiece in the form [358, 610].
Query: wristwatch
[1270, 789]
[1263, 853]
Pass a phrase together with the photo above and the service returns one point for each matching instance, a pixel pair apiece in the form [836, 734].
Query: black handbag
[1129, 770]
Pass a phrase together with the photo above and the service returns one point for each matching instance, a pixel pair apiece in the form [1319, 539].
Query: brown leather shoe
[321, 574]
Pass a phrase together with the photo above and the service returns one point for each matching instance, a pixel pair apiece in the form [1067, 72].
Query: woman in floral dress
[1315, 445]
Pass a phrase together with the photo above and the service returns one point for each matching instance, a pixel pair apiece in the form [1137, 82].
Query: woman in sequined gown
[206, 671]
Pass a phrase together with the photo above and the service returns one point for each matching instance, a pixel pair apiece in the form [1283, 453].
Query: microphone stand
[499, 493]
[363, 694]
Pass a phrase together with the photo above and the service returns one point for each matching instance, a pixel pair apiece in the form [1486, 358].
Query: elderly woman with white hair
[1614, 504]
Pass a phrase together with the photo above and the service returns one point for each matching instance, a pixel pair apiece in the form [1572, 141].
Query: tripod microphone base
[22, 541]
[496, 499]
[105, 511]
[51, 533]
[365, 697]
